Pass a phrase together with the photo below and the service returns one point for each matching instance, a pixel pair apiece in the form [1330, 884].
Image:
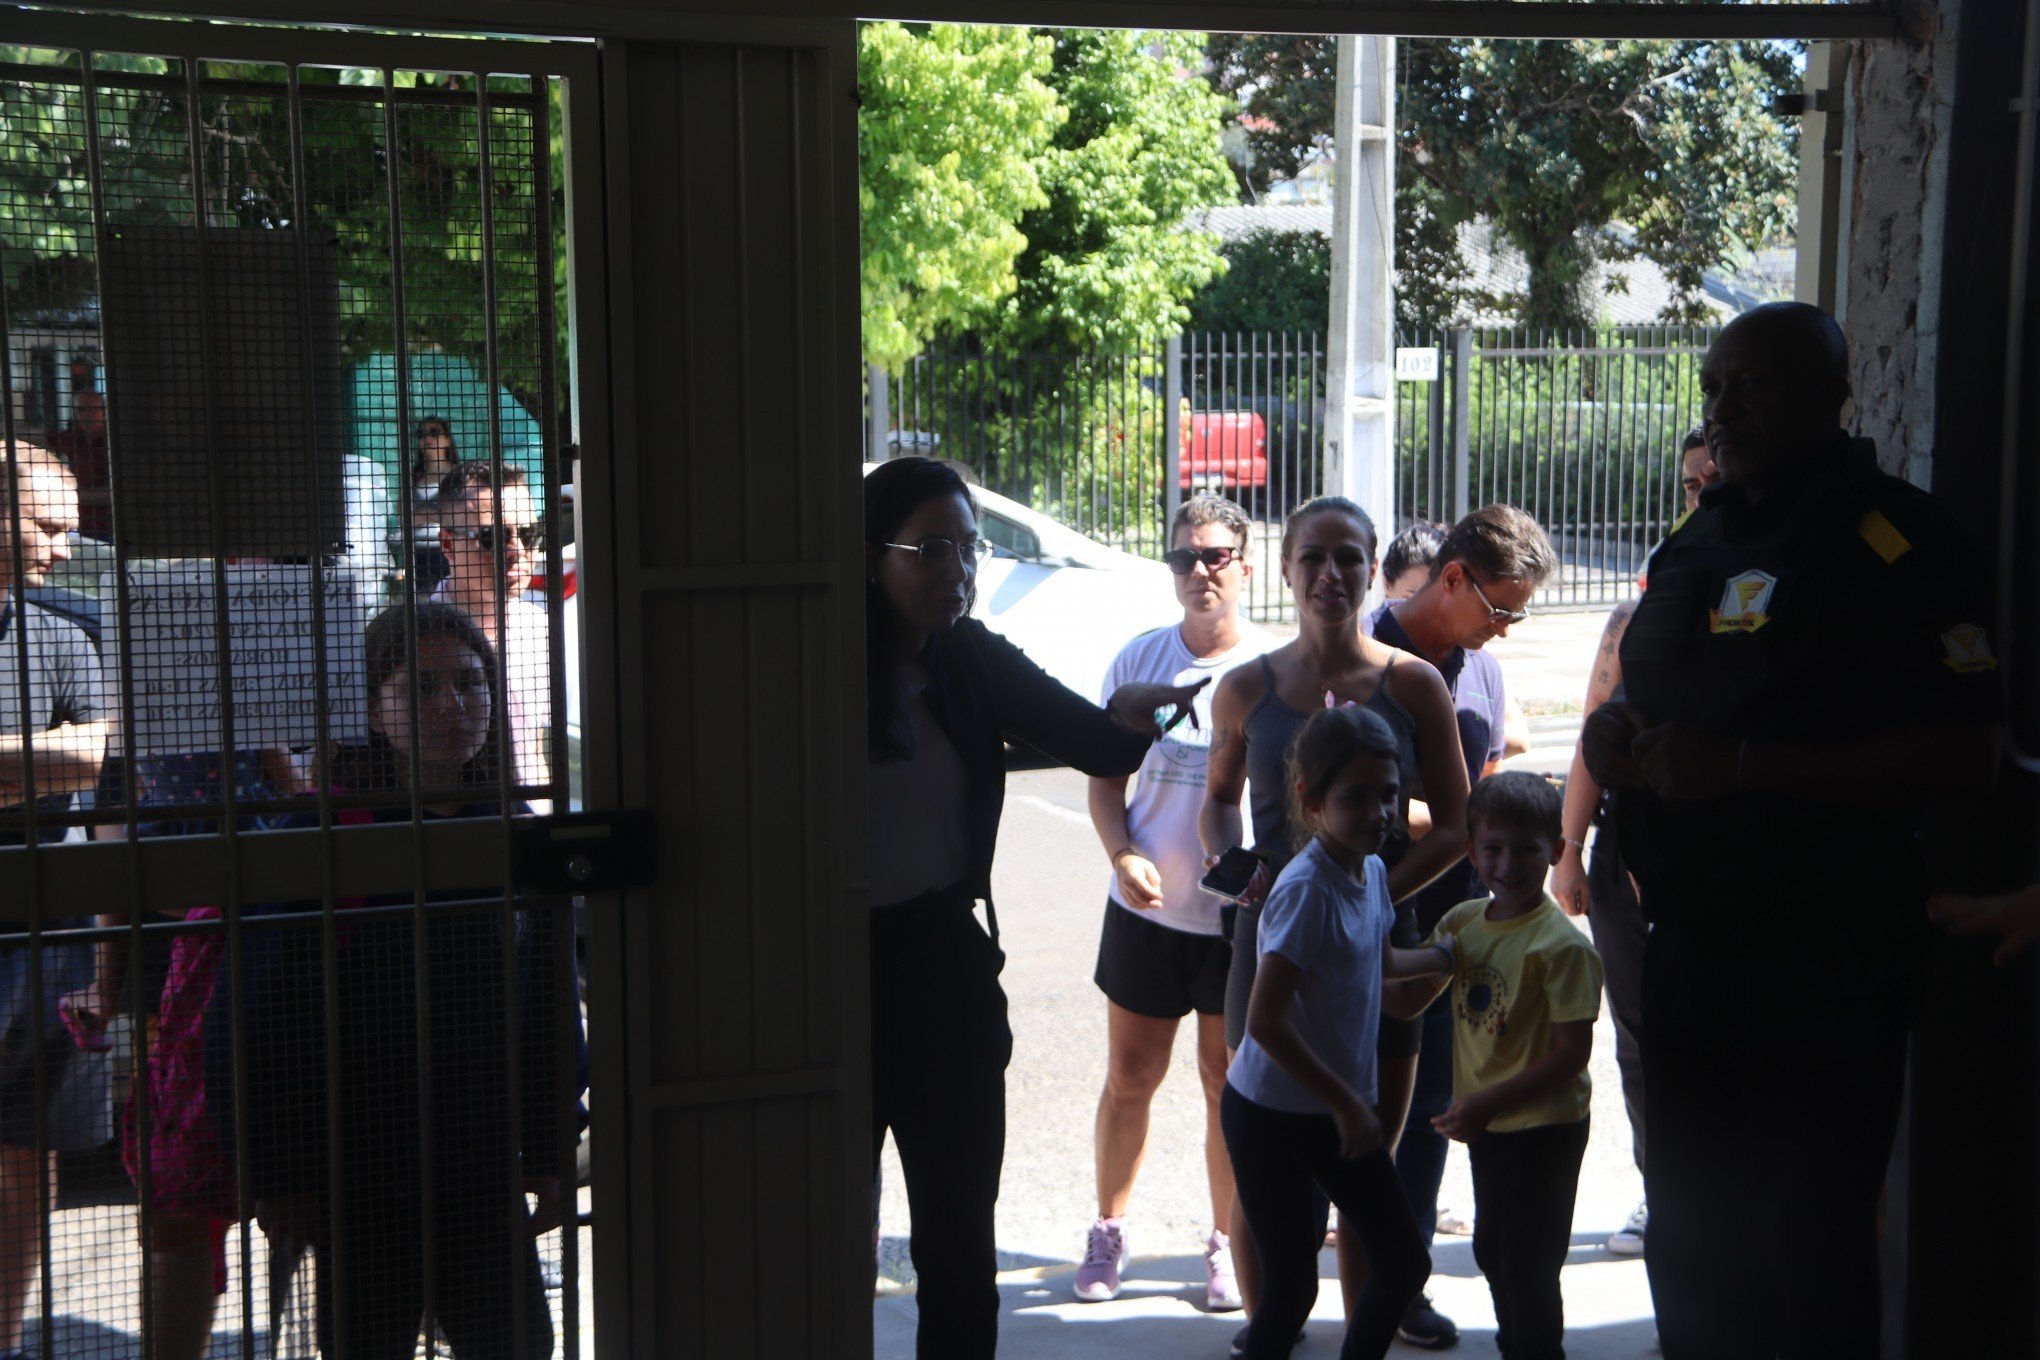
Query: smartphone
[1233, 872]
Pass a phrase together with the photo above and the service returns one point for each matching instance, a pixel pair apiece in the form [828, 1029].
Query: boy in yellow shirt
[1526, 986]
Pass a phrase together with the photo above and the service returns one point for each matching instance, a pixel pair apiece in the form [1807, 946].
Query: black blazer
[983, 690]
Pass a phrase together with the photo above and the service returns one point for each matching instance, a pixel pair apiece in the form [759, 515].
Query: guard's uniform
[1787, 935]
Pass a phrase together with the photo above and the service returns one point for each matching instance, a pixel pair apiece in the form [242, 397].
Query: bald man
[1807, 669]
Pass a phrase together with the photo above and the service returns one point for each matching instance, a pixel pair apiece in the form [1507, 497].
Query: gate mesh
[281, 515]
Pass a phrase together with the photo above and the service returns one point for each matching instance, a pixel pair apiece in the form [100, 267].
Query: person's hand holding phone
[1239, 875]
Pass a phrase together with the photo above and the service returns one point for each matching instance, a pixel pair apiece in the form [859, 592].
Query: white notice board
[172, 640]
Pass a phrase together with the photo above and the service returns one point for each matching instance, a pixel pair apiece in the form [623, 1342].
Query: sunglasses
[1496, 616]
[1183, 561]
[532, 536]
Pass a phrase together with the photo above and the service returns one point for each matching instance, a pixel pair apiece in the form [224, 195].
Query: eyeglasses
[936, 552]
[1183, 561]
[1496, 616]
[532, 536]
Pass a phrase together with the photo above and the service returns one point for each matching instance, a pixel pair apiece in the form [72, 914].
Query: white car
[1069, 602]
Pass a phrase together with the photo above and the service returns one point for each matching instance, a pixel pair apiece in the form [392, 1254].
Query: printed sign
[1416, 364]
[172, 656]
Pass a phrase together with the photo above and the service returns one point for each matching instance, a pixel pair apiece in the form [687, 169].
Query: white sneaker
[1628, 1239]
[1104, 1258]
[1221, 1286]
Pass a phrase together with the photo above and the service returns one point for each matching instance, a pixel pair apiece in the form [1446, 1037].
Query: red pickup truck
[1225, 451]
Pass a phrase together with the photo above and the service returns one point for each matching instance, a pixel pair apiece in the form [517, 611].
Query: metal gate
[288, 969]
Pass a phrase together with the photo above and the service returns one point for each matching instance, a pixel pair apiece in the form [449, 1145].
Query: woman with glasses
[945, 694]
[1328, 563]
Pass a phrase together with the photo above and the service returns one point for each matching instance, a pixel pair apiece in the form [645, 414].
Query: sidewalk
[1160, 1315]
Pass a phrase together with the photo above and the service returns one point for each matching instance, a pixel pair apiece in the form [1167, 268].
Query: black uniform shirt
[1840, 604]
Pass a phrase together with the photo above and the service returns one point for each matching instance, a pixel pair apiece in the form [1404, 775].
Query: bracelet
[1122, 850]
[1575, 842]
[1742, 749]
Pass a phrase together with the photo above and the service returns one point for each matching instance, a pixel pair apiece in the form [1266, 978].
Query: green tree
[954, 122]
[1551, 142]
[1108, 259]
[1274, 281]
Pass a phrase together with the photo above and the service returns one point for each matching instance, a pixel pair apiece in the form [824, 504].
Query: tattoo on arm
[1219, 736]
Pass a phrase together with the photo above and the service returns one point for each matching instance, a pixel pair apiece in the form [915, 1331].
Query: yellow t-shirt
[1514, 980]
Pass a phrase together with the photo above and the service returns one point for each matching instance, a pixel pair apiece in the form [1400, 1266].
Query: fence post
[1436, 459]
[1462, 418]
[1172, 433]
[878, 414]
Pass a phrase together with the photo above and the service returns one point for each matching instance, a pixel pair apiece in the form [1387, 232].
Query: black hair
[477, 472]
[418, 437]
[1321, 505]
[1327, 743]
[1696, 438]
[385, 649]
[1415, 548]
[1517, 799]
[893, 491]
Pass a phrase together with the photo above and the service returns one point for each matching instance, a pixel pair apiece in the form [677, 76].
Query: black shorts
[1152, 970]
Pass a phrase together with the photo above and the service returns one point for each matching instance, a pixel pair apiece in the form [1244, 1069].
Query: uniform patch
[1968, 649]
[1743, 601]
[1883, 537]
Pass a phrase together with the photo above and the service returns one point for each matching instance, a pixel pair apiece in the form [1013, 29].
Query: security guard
[1807, 668]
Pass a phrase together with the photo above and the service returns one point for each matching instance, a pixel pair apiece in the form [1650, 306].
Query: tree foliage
[1550, 142]
[954, 124]
[1108, 258]
[1274, 281]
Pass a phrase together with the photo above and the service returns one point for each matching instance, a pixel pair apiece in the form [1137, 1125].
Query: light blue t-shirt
[1333, 926]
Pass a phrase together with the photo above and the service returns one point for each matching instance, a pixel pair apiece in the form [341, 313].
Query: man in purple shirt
[1488, 567]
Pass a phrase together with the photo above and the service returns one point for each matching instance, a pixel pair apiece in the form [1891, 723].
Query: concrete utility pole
[1360, 374]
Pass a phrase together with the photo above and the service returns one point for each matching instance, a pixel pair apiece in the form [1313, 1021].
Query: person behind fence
[360, 1182]
[945, 694]
[1298, 1108]
[1808, 670]
[54, 1092]
[1161, 954]
[489, 530]
[1328, 564]
[1482, 578]
[1523, 993]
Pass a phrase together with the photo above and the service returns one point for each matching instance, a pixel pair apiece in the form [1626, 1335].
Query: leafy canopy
[1551, 142]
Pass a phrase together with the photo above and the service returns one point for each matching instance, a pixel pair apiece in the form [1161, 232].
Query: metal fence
[1580, 428]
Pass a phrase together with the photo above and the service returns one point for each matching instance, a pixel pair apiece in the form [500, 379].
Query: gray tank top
[1270, 728]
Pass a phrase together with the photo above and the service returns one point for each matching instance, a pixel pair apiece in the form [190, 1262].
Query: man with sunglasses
[489, 530]
[1162, 955]
[1486, 570]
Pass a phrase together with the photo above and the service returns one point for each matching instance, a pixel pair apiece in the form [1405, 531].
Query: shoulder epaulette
[1883, 537]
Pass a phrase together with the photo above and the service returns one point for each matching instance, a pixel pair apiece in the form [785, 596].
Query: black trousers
[1772, 1079]
[939, 1048]
[1620, 933]
[1524, 1183]
[1284, 1164]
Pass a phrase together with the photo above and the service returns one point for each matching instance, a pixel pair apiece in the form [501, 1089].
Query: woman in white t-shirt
[1161, 955]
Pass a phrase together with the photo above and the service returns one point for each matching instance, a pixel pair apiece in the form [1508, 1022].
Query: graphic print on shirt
[1968, 649]
[1743, 601]
[1186, 750]
[1482, 1001]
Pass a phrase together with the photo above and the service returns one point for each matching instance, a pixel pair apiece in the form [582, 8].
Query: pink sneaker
[1221, 1287]
[1104, 1258]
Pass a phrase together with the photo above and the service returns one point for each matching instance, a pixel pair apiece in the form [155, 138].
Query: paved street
[1050, 882]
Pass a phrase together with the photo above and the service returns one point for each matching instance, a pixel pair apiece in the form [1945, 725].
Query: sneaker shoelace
[1103, 1249]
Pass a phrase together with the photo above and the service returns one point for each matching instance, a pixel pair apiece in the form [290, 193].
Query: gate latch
[584, 852]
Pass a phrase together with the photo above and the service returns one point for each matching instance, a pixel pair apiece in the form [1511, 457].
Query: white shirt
[1161, 816]
[527, 662]
[1332, 926]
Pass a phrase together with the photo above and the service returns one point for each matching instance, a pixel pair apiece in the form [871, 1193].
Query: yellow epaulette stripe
[1679, 523]
[1883, 537]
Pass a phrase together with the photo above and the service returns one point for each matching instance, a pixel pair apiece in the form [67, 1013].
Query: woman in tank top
[1328, 562]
